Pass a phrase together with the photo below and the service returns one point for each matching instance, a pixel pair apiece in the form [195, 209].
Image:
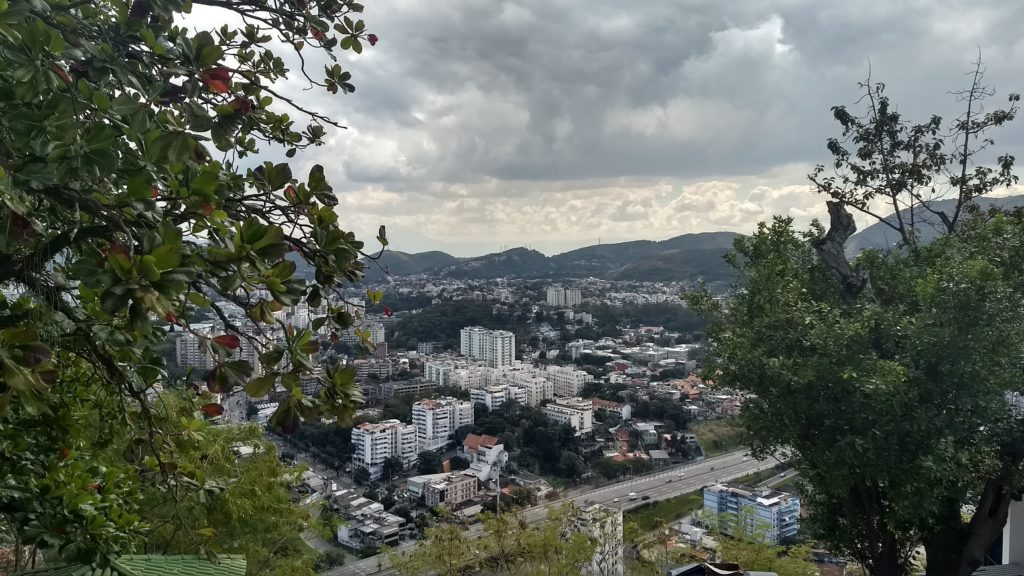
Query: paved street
[657, 486]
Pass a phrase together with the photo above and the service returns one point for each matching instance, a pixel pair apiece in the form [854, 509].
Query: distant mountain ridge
[685, 258]
[881, 236]
[690, 257]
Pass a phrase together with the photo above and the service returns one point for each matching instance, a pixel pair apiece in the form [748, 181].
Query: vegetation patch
[718, 436]
[653, 514]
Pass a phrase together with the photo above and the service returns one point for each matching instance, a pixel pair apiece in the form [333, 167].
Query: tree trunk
[959, 549]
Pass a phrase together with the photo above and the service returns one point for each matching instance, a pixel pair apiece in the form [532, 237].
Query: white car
[633, 496]
[615, 500]
[680, 474]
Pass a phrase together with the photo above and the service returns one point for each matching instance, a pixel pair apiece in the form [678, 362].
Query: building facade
[558, 296]
[758, 514]
[567, 381]
[437, 420]
[451, 491]
[496, 348]
[604, 525]
[495, 397]
[374, 443]
[576, 412]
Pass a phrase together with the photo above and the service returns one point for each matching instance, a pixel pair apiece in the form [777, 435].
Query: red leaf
[334, 336]
[206, 208]
[372, 39]
[242, 105]
[388, 312]
[61, 73]
[65, 453]
[171, 318]
[289, 193]
[318, 34]
[96, 486]
[212, 409]
[217, 79]
[154, 192]
[229, 341]
[117, 248]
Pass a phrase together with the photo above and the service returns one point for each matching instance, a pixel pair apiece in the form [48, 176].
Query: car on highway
[680, 474]
[668, 481]
[645, 497]
[632, 495]
[615, 499]
[744, 459]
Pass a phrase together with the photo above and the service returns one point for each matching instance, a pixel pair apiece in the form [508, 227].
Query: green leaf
[260, 387]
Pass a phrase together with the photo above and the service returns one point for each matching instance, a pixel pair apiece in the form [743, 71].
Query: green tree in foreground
[509, 546]
[887, 379]
[130, 199]
[117, 218]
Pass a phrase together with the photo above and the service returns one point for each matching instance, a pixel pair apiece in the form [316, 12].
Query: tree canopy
[133, 201]
[887, 378]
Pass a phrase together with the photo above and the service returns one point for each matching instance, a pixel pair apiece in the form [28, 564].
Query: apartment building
[623, 411]
[495, 347]
[495, 397]
[761, 514]
[190, 352]
[451, 491]
[374, 443]
[576, 412]
[604, 525]
[376, 330]
[568, 382]
[436, 421]
[537, 388]
[559, 296]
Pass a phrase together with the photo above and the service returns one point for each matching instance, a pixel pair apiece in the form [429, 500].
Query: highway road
[669, 483]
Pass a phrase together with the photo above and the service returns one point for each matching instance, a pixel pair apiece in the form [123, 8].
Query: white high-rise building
[556, 296]
[191, 353]
[376, 330]
[437, 420]
[575, 412]
[374, 443]
[495, 347]
[559, 297]
[472, 341]
[495, 397]
[568, 381]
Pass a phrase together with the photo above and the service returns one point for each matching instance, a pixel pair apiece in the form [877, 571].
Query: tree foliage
[118, 219]
[131, 203]
[887, 379]
[508, 546]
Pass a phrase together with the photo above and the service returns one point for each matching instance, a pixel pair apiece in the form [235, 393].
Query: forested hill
[690, 257]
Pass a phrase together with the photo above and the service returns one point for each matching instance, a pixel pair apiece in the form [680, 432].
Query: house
[152, 565]
[486, 455]
[648, 433]
[660, 457]
[525, 479]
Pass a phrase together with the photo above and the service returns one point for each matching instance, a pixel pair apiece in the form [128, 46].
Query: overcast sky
[480, 124]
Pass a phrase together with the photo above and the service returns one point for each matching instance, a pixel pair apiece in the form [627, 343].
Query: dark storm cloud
[528, 121]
